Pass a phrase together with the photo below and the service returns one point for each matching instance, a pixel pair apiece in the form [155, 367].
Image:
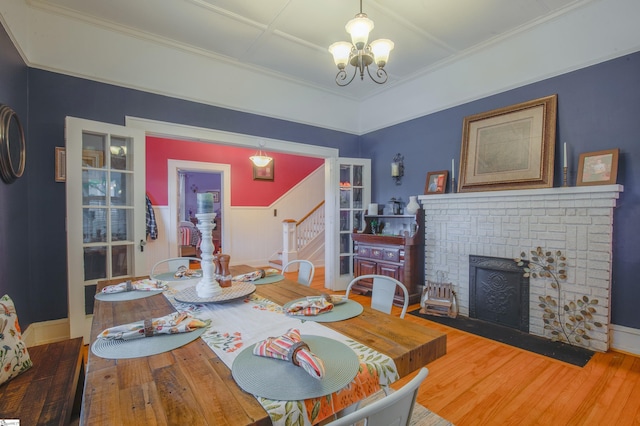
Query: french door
[106, 211]
[354, 195]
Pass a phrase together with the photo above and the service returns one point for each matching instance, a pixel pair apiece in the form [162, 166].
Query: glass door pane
[354, 195]
[108, 206]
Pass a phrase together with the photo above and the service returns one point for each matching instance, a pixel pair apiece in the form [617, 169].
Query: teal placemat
[281, 380]
[121, 349]
[340, 312]
[269, 279]
[170, 276]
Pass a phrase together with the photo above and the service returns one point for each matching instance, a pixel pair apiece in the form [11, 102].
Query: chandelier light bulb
[340, 51]
[260, 160]
[359, 28]
[381, 49]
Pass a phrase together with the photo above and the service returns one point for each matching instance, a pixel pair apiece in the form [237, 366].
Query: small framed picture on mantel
[598, 168]
[436, 182]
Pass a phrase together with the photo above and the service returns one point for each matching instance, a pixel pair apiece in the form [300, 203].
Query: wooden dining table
[190, 385]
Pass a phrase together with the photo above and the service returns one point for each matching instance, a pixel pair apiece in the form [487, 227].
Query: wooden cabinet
[398, 252]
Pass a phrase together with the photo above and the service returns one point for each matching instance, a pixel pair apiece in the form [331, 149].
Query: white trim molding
[625, 339]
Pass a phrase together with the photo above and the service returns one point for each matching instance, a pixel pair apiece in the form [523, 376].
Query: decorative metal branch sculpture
[571, 323]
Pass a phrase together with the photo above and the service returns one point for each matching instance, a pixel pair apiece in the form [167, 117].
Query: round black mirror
[12, 145]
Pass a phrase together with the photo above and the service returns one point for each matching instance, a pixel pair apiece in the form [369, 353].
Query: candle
[373, 208]
[565, 154]
[453, 169]
[205, 202]
[395, 169]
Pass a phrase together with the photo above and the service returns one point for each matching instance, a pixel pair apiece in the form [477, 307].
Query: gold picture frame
[436, 182]
[264, 173]
[598, 168]
[509, 148]
[61, 164]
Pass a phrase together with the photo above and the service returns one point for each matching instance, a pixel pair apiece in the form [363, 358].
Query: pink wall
[288, 169]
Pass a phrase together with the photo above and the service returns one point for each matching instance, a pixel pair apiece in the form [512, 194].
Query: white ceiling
[291, 37]
[227, 50]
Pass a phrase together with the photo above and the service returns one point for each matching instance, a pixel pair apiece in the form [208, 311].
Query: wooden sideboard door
[391, 270]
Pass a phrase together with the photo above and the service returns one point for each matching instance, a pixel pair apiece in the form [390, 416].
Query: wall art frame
[13, 151]
[598, 167]
[264, 173]
[61, 164]
[509, 148]
[216, 195]
[436, 182]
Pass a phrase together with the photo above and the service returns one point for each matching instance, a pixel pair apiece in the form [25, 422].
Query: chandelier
[358, 53]
[261, 159]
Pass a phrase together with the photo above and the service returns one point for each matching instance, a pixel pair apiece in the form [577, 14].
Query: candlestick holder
[453, 185]
[207, 286]
[564, 176]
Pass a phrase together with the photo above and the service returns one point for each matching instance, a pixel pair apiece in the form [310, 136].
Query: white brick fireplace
[576, 220]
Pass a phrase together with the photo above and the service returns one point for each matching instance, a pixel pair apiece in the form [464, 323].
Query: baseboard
[43, 332]
[625, 339]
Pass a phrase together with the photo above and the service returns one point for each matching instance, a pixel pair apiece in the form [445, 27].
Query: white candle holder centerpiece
[207, 286]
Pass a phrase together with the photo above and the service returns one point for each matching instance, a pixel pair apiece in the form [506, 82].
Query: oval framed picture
[12, 145]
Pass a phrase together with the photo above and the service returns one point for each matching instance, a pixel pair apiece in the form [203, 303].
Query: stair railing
[310, 226]
[297, 234]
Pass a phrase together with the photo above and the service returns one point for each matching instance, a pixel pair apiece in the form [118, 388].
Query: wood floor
[482, 382]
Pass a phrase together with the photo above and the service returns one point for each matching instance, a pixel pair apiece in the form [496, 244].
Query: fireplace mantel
[542, 192]
[576, 220]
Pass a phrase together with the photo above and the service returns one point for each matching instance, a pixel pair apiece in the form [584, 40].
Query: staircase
[303, 239]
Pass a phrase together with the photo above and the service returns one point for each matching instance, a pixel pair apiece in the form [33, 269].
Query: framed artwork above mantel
[509, 148]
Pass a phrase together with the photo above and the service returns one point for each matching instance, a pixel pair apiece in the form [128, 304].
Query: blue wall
[598, 108]
[15, 234]
[53, 96]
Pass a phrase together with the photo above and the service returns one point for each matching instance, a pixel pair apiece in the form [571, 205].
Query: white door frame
[174, 167]
[330, 155]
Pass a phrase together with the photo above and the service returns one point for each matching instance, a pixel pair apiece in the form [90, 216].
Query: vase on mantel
[412, 206]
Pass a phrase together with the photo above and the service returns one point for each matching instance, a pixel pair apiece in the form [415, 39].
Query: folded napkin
[256, 275]
[184, 272]
[290, 347]
[177, 322]
[140, 285]
[311, 306]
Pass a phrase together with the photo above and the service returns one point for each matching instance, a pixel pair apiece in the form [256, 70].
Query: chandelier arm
[381, 75]
[341, 77]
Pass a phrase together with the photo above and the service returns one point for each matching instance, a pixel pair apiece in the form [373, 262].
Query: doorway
[192, 183]
[178, 167]
[181, 131]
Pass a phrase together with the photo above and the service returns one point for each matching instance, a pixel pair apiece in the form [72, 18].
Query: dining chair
[171, 265]
[383, 291]
[306, 270]
[395, 409]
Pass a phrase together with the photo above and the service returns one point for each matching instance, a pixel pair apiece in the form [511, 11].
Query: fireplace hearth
[499, 292]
